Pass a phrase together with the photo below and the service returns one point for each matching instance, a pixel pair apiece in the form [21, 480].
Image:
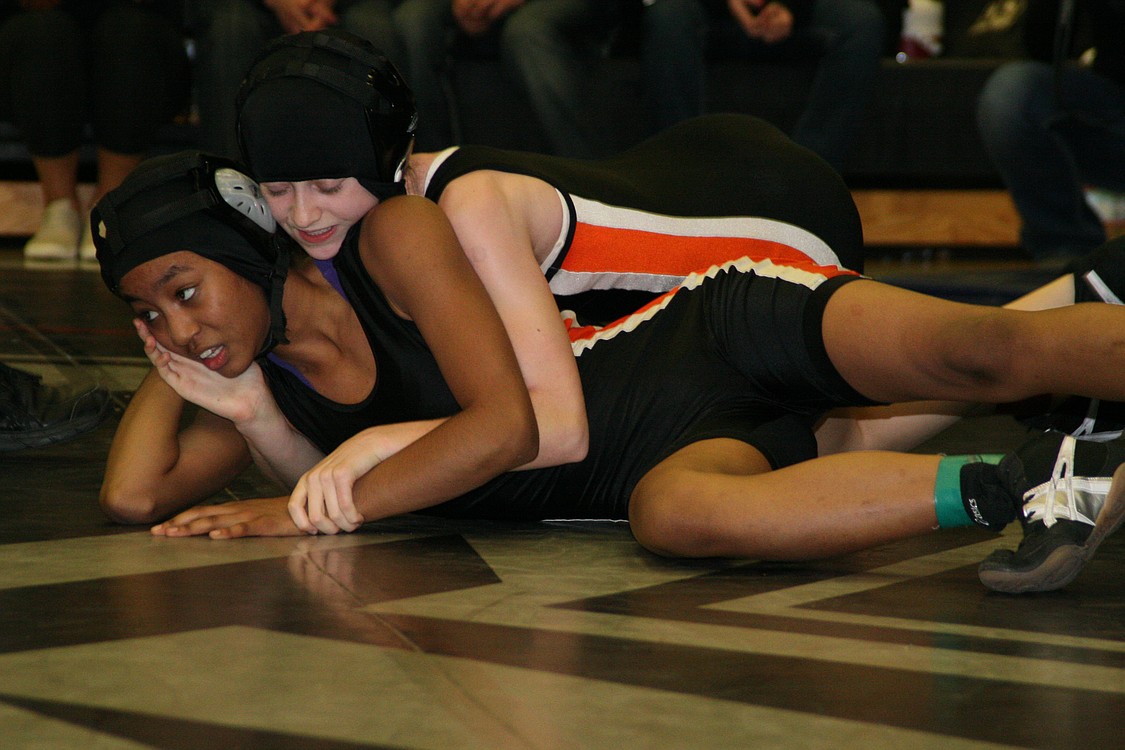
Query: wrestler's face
[318, 213]
[199, 309]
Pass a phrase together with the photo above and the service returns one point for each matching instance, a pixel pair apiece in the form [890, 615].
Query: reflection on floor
[418, 634]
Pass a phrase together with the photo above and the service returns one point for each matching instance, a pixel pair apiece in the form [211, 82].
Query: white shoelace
[1065, 496]
[1101, 288]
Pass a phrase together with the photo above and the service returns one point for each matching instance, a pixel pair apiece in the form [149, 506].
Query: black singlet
[689, 368]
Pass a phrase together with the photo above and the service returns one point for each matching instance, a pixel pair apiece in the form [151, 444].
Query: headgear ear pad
[196, 202]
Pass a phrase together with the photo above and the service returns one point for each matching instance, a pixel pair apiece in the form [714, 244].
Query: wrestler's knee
[984, 353]
[667, 517]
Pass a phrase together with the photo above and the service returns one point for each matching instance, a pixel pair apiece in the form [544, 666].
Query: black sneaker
[1073, 498]
[33, 415]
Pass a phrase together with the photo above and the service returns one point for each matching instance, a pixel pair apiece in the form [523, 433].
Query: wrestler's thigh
[894, 345]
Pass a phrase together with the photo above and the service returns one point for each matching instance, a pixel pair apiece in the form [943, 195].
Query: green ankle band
[948, 503]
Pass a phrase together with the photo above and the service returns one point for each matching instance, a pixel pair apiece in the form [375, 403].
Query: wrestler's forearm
[155, 469]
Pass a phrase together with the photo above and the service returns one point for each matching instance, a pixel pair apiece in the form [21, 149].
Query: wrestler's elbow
[564, 432]
[128, 505]
[128, 499]
[517, 439]
[524, 443]
[573, 442]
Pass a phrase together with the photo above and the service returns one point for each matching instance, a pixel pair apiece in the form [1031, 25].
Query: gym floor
[414, 633]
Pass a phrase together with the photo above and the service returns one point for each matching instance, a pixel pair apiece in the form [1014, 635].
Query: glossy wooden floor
[418, 634]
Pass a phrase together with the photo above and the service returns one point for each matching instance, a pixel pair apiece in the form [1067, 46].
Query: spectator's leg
[673, 65]
[130, 101]
[228, 35]
[424, 27]
[1043, 150]
[549, 45]
[47, 53]
[374, 21]
[45, 63]
[852, 34]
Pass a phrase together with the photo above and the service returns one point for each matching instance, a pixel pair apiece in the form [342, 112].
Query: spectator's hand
[477, 16]
[769, 21]
[303, 15]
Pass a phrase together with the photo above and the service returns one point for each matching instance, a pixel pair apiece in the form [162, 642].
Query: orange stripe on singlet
[600, 249]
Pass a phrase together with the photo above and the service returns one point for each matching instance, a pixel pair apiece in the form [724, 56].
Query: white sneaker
[87, 251]
[58, 233]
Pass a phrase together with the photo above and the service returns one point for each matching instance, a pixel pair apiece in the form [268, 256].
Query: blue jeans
[846, 34]
[1048, 149]
[230, 33]
[545, 45]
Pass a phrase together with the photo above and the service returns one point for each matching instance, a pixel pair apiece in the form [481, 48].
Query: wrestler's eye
[186, 293]
[147, 315]
[275, 189]
[329, 187]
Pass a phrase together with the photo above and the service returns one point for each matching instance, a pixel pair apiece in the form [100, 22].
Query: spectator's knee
[523, 31]
[1013, 99]
[235, 25]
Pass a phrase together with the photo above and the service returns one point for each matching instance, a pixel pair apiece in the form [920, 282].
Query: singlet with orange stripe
[733, 353]
[706, 191]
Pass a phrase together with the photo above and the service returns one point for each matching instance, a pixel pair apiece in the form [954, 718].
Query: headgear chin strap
[196, 202]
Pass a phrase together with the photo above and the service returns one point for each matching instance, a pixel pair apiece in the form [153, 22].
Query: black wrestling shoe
[1099, 276]
[1073, 498]
[1084, 418]
[33, 415]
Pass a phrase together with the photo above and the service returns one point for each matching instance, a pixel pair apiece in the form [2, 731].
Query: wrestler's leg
[894, 345]
[904, 426]
[720, 498]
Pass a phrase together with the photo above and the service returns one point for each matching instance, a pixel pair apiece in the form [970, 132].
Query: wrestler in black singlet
[712, 166]
[692, 369]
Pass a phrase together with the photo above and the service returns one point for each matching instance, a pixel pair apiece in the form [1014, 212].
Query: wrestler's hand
[239, 399]
[323, 501]
[265, 516]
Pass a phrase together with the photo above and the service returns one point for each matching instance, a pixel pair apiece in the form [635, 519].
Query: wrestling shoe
[1073, 495]
[58, 233]
[1084, 418]
[1099, 276]
[33, 415]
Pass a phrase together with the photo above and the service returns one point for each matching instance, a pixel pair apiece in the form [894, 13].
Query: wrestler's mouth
[214, 357]
[316, 236]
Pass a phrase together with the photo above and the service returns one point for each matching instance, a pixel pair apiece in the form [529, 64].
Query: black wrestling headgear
[326, 105]
[196, 202]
